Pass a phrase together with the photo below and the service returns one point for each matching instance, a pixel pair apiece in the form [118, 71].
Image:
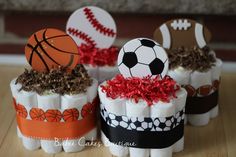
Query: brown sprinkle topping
[56, 80]
[195, 58]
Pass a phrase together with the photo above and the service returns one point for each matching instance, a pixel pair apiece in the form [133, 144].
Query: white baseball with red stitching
[92, 26]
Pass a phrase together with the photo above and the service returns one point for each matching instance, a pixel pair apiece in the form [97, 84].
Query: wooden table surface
[218, 139]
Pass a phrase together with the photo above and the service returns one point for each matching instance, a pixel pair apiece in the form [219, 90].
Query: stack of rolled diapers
[94, 35]
[56, 100]
[193, 65]
[54, 119]
[201, 83]
[142, 111]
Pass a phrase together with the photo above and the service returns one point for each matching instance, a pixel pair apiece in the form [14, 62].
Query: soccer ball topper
[142, 57]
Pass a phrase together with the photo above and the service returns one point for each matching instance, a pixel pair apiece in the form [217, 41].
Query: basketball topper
[50, 48]
[182, 32]
[141, 57]
[92, 26]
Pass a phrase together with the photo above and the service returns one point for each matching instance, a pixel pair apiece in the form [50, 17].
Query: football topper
[92, 26]
[141, 57]
[182, 32]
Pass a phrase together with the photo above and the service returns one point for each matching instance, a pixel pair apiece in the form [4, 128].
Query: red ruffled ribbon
[148, 88]
[97, 57]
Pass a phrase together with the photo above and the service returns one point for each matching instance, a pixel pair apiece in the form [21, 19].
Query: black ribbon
[200, 105]
[142, 139]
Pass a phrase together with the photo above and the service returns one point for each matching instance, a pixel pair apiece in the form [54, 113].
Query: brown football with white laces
[182, 32]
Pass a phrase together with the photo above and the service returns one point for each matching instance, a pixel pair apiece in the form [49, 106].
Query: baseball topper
[141, 57]
[92, 26]
[50, 48]
[182, 32]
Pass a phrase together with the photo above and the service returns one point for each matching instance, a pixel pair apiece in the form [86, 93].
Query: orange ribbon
[60, 130]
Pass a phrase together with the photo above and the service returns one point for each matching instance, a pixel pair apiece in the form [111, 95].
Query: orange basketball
[87, 109]
[21, 111]
[37, 114]
[50, 48]
[53, 115]
[70, 115]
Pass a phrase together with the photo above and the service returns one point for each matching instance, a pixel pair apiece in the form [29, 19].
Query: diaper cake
[142, 109]
[194, 65]
[56, 100]
[94, 31]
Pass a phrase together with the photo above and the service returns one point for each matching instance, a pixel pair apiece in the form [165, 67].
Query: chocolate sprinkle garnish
[56, 80]
[195, 58]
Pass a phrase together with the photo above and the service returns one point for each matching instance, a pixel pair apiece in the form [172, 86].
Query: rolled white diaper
[45, 102]
[136, 110]
[69, 102]
[28, 100]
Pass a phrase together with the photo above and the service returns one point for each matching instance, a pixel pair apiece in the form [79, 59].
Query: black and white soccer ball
[164, 124]
[138, 124]
[142, 57]
[118, 121]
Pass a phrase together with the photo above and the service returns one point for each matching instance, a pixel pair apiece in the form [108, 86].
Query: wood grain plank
[93, 151]
[228, 108]
[12, 146]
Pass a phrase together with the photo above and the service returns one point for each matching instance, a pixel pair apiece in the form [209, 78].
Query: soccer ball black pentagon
[162, 124]
[140, 124]
[149, 122]
[142, 57]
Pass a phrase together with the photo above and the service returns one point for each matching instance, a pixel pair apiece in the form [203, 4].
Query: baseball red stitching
[97, 25]
[81, 35]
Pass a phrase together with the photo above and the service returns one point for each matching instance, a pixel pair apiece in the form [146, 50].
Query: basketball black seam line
[30, 46]
[30, 60]
[59, 49]
[42, 41]
[45, 40]
[45, 52]
[57, 36]
[53, 37]
[70, 61]
[31, 55]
